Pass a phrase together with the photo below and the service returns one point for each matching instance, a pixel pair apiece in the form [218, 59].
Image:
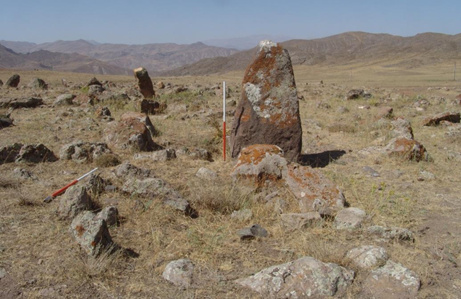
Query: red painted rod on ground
[60, 191]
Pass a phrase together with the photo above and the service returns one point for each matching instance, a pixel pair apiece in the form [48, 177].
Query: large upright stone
[13, 81]
[268, 112]
[144, 82]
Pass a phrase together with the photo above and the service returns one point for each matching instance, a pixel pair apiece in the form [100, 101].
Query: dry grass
[38, 252]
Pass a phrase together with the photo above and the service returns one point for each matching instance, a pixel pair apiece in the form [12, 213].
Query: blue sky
[184, 22]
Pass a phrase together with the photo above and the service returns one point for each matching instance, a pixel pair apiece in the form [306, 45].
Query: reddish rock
[453, 117]
[152, 107]
[268, 112]
[134, 130]
[314, 192]
[409, 149]
[144, 83]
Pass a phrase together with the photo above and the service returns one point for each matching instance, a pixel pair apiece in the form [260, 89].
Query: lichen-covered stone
[35, 153]
[408, 149]
[349, 218]
[109, 214]
[295, 221]
[268, 111]
[302, 278]
[367, 257]
[179, 273]
[9, 153]
[74, 201]
[391, 281]
[82, 152]
[91, 233]
[391, 233]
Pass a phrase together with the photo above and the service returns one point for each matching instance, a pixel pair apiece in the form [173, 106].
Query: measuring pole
[224, 120]
[60, 191]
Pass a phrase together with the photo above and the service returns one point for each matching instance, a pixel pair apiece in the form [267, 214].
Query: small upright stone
[13, 81]
[38, 83]
[74, 201]
[144, 83]
[268, 112]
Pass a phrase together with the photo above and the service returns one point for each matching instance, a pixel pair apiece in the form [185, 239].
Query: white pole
[224, 119]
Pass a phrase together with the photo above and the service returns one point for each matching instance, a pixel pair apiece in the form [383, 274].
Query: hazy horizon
[185, 22]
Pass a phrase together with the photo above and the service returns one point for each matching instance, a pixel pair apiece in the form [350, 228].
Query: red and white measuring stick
[60, 191]
[224, 120]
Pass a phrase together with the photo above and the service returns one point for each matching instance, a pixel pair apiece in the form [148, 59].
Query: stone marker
[38, 83]
[144, 82]
[13, 81]
[74, 201]
[268, 111]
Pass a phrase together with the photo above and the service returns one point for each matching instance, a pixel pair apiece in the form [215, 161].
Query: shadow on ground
[320, 160]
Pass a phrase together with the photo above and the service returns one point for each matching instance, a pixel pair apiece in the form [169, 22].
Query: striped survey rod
[60, 191]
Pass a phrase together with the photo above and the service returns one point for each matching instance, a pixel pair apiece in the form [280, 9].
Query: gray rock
[354, 94]
[295, 221]
[128, 170]
[349, 218]
[206, 173]
[158, 156]
[109, 214]
[367, 257]
[64, 99]
[2, 273]
[74, 201]
[391, 233]
[31, 102]
[302, 278]
[24, 173]
[82, 152]
[38, 83]
[249, 233]
[201, 154]
[401, 128]
[35, 153]
[91, 234]
[179, 273]
[242, 215]
[154, 187]
[391, 281]
[9, 153]
[95, 89]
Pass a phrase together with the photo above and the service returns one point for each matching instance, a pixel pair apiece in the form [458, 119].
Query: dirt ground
[39, 258]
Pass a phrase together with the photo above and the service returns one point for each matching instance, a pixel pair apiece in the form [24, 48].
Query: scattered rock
[128, 170]
[179, 273]
[367, 257]
[206, 173]
[155, 187]
[5, 121]
[385, 112]
[24, 173]
[305, 277]
[268, 112]
[249, 233]
[31, 102]
[242, 215]
[96, 184]
[94, 81]
[160, 85]
[401, 128]
[152, 107]
[370, 171]
[453, 117]
[349, 218]
[83, 152]
[91, 234]
[9, 153]
[354, 94]
[109, 215]
[391, 233]
[297, 221]
[35, 153]
[94, 90]
[104, 113]
[407, 149]
[38, 83]
[391, 281]
[74, 201]
[144, 83]
[200, 154]
[13, 81]
[64, 100]
[1, 83]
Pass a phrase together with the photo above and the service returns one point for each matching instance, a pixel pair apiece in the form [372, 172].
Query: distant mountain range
[244, 43]
[346, 48]
[200, 59]
[154, 57]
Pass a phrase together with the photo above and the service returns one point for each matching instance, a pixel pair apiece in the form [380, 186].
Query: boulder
[13, 81]
[349, 218]
[453, 117]
[94, 90]
[162, 155]
[74, 201]
[94, 81]
[367, 257]
[130, 171]
[38, 83]
[133, 131]
[5, 121]
[91, 234]
[262, 163]
[64, 100]
[9, 153]
[296, 221]
[354, 94]
[391, 233]
[152, 107]
[1, 83]
[391, 281]
[401, 128]
[179, 273]
[35, 153]
[206, 173]
[157, 188]
[84, 152]
[109, 215]
[144, 82]
[21, 103]
[408, 149]
[252, 232]
[302, 278]
[268, 111]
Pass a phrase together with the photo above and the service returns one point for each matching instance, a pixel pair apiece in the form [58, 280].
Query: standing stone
[268, 112]
[74, 201]
[13, 81]
[35, 153]
[38, 83]
[144, 82]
